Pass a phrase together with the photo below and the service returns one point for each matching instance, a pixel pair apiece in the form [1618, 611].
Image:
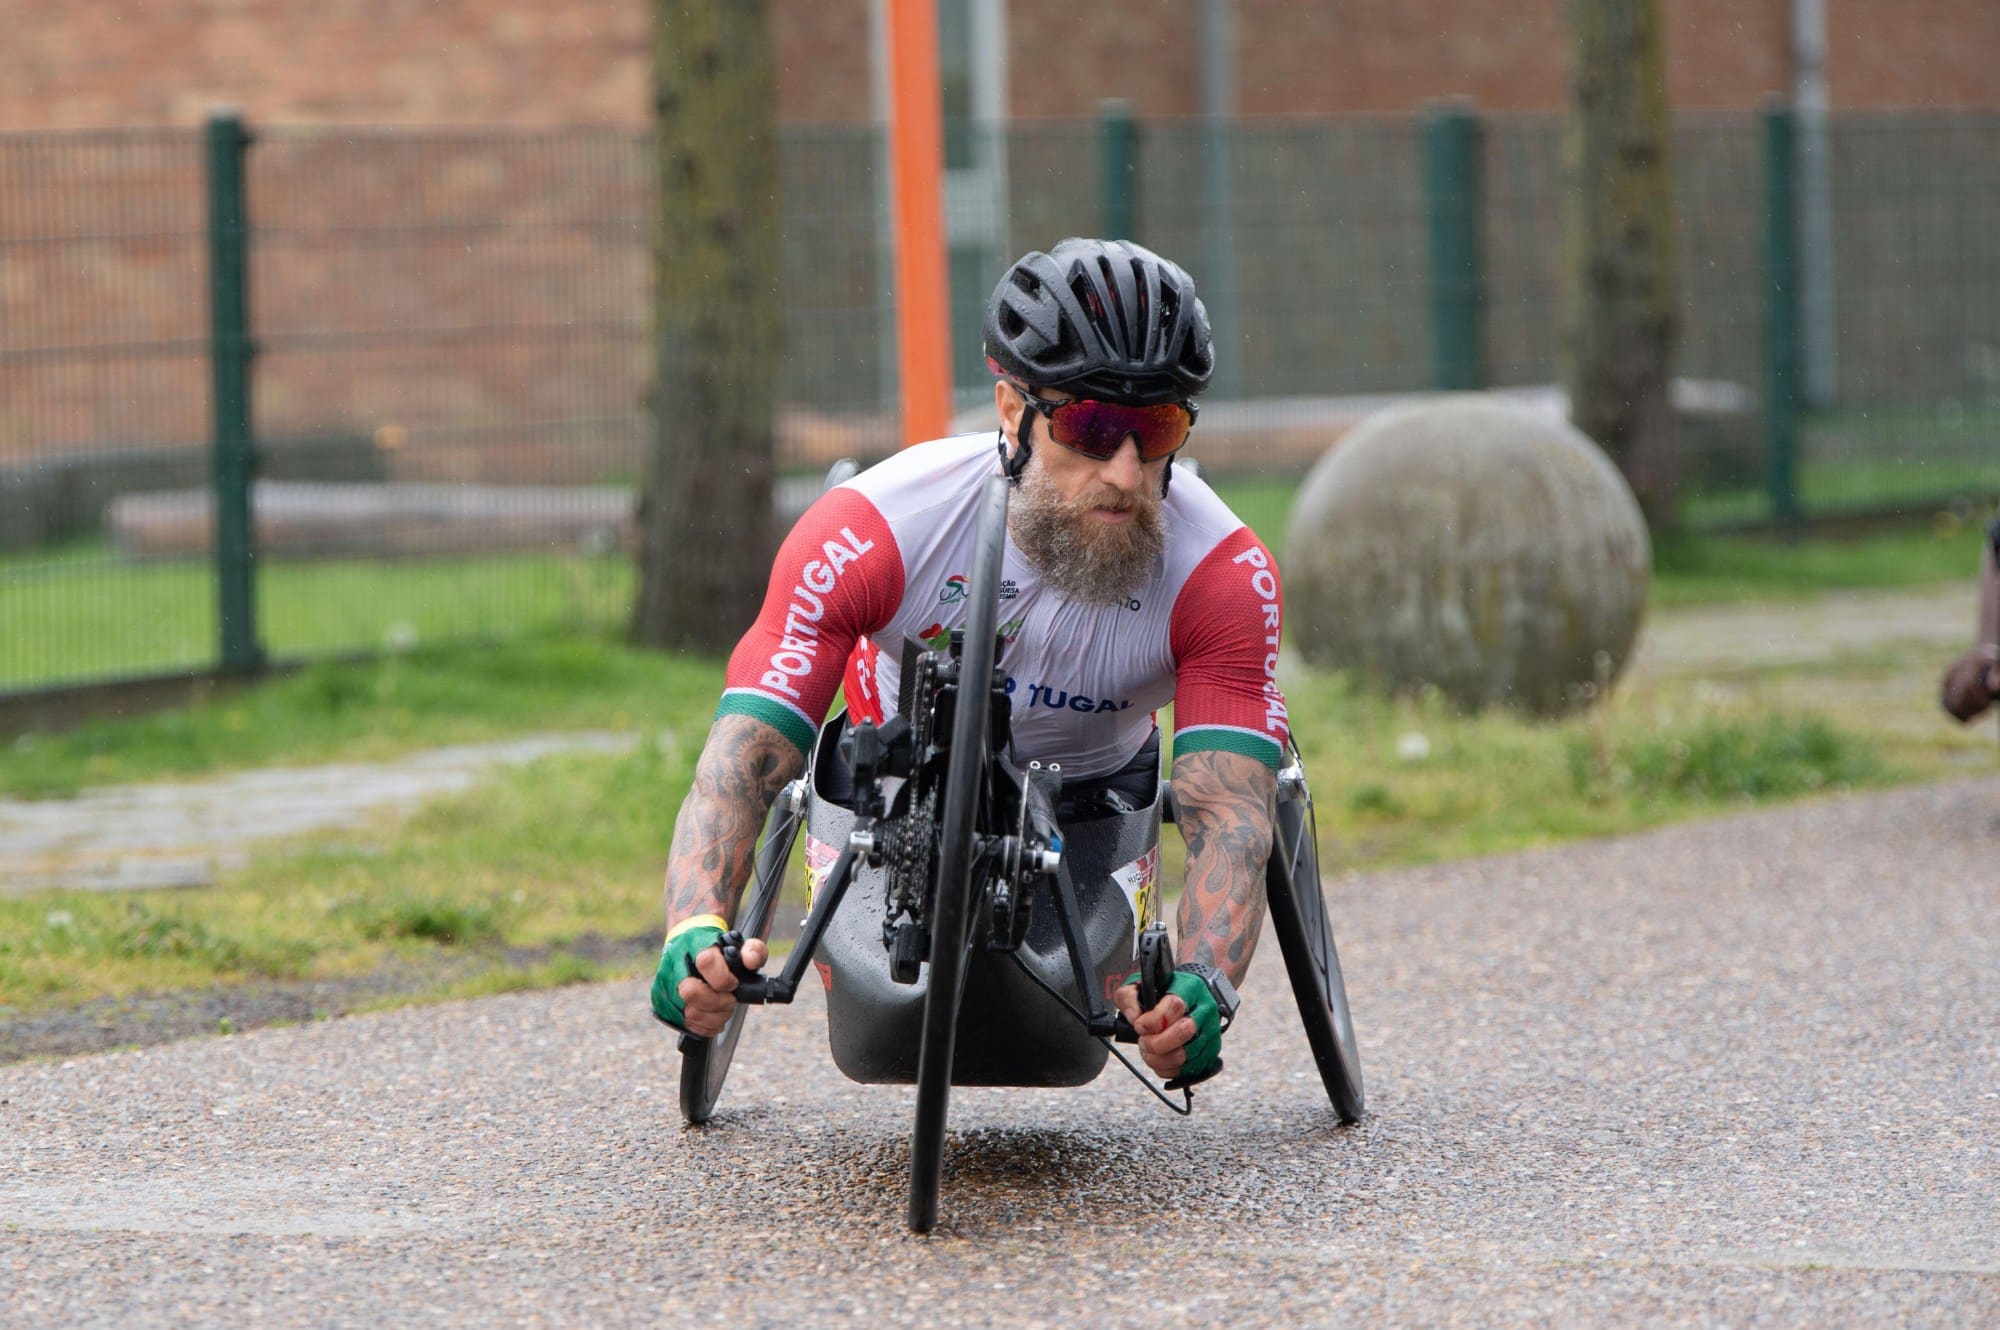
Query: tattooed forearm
[1226, 807]
[743, 766]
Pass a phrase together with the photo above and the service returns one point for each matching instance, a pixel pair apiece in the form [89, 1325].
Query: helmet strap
[1013, 465]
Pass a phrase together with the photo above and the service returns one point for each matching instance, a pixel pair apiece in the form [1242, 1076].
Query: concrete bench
[309, 520]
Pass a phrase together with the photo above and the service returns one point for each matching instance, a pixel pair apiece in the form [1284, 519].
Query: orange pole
[916, 162]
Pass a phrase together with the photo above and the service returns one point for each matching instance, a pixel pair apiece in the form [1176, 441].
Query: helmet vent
[1086, 295]
[1116, 322]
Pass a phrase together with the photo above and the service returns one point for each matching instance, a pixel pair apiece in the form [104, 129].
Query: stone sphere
[1476, 545]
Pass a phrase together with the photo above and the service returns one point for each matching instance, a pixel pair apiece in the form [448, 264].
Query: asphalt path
[1743, 1072]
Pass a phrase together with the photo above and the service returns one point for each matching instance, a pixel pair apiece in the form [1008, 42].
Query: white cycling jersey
[887, 556]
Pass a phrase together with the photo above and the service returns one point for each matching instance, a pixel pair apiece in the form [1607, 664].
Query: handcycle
[968, 934]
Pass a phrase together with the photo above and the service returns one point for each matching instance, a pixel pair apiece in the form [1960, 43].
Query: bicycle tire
[1305, 938]
[951, 912]
[705, 1061]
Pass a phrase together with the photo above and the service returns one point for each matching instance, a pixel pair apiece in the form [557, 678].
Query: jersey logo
[956, 585]
[800, 643]
[1265, 584]
[1061, 699]
[937, 637]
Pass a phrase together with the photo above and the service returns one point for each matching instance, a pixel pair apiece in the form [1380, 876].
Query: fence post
[1118, 134]
[230, 353]
[1452, 189]
[1781, 315]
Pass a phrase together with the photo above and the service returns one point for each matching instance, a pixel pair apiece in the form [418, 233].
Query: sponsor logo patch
[1140, 880]
[819, 861]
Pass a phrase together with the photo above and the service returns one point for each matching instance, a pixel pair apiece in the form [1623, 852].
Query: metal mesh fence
[452, 330]
[103, 356]
[1915, 415]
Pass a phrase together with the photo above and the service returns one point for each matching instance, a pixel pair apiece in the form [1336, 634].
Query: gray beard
[1097, 564]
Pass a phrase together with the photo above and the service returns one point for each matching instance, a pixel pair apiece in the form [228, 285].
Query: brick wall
[429, 62]
[407, 62]
[1914, 53]
[482, 306]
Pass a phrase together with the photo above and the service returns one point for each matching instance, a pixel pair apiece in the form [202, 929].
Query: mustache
[1112, 500]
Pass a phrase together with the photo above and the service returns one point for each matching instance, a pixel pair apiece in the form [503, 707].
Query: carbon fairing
[1010, 1032]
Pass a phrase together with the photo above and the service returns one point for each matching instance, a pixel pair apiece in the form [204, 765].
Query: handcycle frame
[997, 849]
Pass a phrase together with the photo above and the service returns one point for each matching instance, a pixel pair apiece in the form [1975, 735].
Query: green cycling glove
[684, 941]
[1205, 1048]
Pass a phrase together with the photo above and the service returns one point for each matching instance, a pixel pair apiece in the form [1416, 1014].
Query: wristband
[1219, 987]
[715, 921]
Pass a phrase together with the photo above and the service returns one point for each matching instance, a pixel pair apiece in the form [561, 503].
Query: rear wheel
[705, 1061]
[950, 911]
[1305, 937]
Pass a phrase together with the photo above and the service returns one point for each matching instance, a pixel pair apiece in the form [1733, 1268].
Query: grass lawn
[82, 613]
[571, 848]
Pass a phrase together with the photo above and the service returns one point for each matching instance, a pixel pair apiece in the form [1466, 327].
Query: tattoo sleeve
[1227, 803]
[743, 766]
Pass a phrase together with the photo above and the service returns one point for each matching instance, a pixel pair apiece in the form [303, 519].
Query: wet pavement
[1741, 1072]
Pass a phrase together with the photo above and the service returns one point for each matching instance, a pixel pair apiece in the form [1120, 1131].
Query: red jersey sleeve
[1224, 634]
[837, 576]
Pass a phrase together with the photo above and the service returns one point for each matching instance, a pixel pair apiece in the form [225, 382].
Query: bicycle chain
[912, 841]
[909, 857]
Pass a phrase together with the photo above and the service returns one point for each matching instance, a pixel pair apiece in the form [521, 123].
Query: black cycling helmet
[1101, 318]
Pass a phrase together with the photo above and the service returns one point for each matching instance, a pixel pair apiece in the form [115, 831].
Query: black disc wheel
[1305, 937]
[705, 1061]
[951, 902]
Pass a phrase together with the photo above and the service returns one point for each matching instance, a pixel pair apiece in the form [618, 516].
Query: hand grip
[1156, 965]
[751, 987]
[1156, 976]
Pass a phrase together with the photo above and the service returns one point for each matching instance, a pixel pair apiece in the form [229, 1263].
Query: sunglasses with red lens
[1099, 429]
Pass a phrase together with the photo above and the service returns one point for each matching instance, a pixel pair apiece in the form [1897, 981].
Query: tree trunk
[1619, 298]
[705, 525]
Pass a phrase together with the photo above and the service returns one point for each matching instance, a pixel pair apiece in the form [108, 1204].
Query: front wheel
[705, 1061]
[953, 887]
[1305, 937]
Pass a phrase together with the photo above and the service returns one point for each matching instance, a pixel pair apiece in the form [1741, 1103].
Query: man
[1125, 587]
[1972, 682]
